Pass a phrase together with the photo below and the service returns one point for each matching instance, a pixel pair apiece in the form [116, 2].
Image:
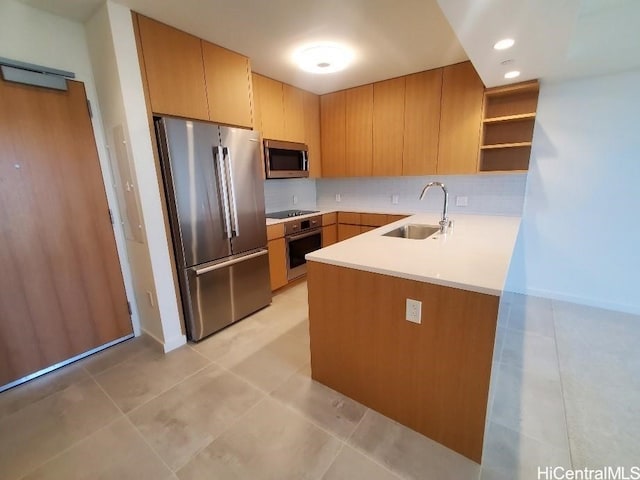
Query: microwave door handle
[232, 193]
[305, 161]
[218, 160]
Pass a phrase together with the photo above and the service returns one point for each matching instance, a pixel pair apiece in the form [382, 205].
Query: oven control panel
[302, 225]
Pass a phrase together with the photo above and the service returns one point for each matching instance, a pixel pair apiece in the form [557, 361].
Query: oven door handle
[308, 233]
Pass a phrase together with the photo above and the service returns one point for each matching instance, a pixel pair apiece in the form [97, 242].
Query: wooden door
[332, 134]
[61, 287]
[227, 76]
[174, 70]
[388, 127]
[460, 119]
[359, 131]
[422, 122]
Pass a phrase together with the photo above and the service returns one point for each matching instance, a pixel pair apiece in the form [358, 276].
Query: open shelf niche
[508, 117]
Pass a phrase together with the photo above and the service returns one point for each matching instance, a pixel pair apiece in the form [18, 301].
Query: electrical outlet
[462, 201]
[414, 311]
[395, 199]
[338, 197]
[295, 199]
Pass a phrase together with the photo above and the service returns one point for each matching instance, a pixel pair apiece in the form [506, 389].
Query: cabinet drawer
[329, 218]
[373, 219]
[275, 231]
[352, 218]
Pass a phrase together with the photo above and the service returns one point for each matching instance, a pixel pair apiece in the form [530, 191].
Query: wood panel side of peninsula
[432, 377]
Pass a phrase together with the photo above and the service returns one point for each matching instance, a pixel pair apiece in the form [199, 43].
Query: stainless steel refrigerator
[215, 197]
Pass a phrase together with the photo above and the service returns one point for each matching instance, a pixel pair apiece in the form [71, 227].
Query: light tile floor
[241, 405]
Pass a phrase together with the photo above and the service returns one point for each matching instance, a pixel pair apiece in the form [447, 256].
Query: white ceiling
[555, 39]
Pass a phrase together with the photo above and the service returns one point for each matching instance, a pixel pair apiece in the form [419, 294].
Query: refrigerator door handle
[232, 196]
[218, 266]
[218, 160]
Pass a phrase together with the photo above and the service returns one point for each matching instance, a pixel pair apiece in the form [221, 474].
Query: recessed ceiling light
[512, 74]
[504, 44]
[323, 58]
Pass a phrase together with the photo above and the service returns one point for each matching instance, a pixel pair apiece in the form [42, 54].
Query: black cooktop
[289, 213]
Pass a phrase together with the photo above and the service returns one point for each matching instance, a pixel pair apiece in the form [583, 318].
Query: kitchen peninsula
[431, 376]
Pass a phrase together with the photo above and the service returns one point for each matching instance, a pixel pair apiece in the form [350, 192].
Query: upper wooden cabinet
[293, 107]
[359, 131]
[188, 77]
[332, 134]
[227, 76]
[311, 107]
[421, 122]
[174, 70]
[271, 107]
[388, 127]
[460, 119]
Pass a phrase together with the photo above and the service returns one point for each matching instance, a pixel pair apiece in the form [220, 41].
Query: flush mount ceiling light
[504, 44]
[323, 58]
[512, 74]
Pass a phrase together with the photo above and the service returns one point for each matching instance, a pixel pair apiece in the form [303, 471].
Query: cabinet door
[293, 105]
[422, 122]
[460, 119]
[347, 231]
[257, 110]
[311, 106]
[277, 263]
[227, 77]
[329, 235]
[175, 74]
[271, 107]
[359, 131]
[388, 127]
[373, 219]
[332, 133]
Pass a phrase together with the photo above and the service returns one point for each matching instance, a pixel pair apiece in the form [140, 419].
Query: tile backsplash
[500, 194]
[290, 193]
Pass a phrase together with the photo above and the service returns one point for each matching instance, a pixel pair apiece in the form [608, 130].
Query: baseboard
[590, 302]
[168, 345]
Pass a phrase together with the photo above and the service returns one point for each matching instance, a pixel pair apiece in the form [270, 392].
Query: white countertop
[273, 221]
[475, 256]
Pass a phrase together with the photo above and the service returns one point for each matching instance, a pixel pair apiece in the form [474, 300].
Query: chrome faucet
[444, 222]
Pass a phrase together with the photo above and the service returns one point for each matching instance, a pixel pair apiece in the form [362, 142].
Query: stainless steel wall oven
[301, 236]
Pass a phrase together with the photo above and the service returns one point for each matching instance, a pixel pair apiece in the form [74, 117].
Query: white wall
[580, 235]
[114, 53]
[33, 36]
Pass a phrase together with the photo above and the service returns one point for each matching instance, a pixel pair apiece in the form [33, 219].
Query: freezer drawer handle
[232, 190]
[218, 160]
[218, 266]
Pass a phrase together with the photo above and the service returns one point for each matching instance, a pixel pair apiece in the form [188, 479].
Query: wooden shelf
[508, 90]
[510, 118]
[506, 145]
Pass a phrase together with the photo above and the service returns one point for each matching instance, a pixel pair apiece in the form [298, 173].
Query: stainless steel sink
[413, 231]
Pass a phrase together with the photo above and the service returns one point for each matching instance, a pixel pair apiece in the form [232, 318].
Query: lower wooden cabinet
[277, 263]
[329, 235]
[347, 231]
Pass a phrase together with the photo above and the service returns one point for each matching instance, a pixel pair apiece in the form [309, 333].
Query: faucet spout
[444, 222]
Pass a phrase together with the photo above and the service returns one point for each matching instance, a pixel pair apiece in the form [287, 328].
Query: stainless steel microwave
[286, 159]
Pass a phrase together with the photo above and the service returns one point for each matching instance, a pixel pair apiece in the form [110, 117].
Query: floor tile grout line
[146, 442]
[172, 386]
[73, 445]
[333, 460]
[562, 389]
[125, 360]
[221, 433]
[526, 435]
